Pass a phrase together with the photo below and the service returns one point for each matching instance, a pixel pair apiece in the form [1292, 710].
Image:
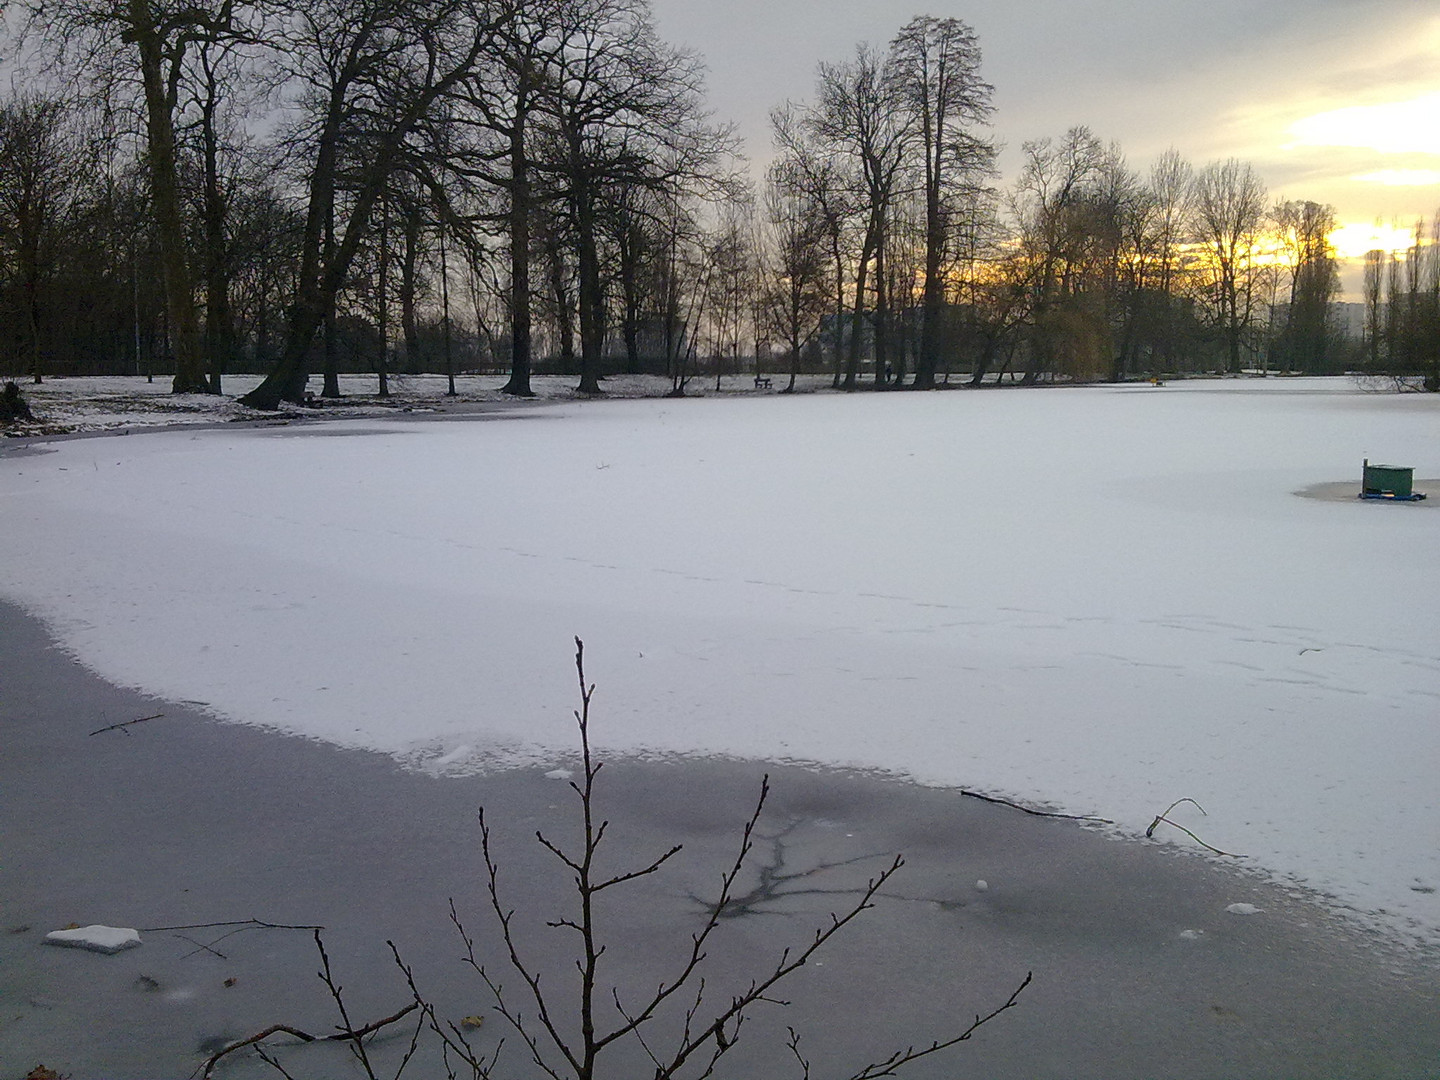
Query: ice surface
[1104, 599]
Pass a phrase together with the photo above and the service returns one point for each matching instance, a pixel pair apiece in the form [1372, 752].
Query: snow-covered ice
[1103, 599]
[97, 938]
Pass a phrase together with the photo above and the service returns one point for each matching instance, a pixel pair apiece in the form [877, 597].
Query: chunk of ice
[102, 939]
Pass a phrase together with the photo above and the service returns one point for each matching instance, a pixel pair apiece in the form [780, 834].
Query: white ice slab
[103, 939]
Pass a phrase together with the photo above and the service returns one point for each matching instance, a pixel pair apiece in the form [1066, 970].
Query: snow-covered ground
[127, 403]
[1103, 599]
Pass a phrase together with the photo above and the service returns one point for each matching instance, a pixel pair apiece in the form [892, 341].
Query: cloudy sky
[1332, 100]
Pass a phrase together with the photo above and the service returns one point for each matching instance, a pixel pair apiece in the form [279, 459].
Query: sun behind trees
[522, 186]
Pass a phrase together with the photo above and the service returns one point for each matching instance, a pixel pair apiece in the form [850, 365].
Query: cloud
[1401, 177]
[1396, 127]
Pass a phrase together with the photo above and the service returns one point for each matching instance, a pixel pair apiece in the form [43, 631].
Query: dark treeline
[1402, 311]
[535, 185]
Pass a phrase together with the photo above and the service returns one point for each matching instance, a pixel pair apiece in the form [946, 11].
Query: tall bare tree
[1171, 184]
[1228, 209]
[934, 67]
[857, 114]
[151, 40]
[795, 293]
[813, 171]
[367, 75]
[41, 159]
[1303, 229]
[626, 110]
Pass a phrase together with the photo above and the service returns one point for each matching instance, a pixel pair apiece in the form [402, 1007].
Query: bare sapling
[568, 1031]
[570, 1028]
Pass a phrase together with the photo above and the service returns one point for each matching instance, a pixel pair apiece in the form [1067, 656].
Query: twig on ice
[1150, 832]
[1031, 810]
[128, 723]
[240, 927]
[304, 1036]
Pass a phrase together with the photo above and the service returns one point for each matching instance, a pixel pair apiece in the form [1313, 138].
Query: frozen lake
[1099, 599]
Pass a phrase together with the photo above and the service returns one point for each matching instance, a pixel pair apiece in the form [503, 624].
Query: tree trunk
[564, 309]
[882, 321]
[165, 198]
[928, 361]
[383, 306]
[591, 297]
[857, 318]
[330, 387]
[409, 285]
[520, 296]
[219, 329]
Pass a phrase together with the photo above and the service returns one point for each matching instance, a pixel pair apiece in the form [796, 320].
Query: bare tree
[1303, 229]
[1228, 208]
[576, 1036]
[730, 283]
[1171, 186]
[497, 114]
[934, 66]
[41, 160]
[625, 110]
[151, 39]
[812, 170]
[367, 75]
[857, 115]
[1374, 311]
[796, 291]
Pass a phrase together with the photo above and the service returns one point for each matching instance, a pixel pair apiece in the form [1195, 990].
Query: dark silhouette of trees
[1305, 341]
[1403, 325]
[367, 75]
[271, 186]
[40, 164]
[149, 41]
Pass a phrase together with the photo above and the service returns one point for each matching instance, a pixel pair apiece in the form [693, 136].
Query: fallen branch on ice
[240, 927]
[1032, 811]
[127, 724]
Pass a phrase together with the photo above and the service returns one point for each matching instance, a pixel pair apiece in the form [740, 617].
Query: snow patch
[97, 938]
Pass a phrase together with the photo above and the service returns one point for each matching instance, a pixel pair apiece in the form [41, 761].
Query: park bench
[762, 383]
